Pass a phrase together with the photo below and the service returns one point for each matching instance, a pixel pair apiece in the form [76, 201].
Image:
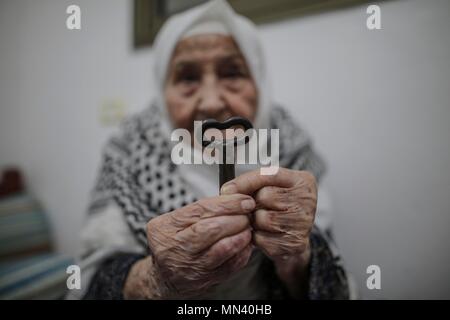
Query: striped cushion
[28, 269]
[24, 228]
[38, 277]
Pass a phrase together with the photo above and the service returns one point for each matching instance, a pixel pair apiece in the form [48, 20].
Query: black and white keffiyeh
[139, 176]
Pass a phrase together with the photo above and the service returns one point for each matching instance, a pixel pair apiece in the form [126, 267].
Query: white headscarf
[239, 27]
[213, 17]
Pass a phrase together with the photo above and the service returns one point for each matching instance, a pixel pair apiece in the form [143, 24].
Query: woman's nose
[212, 103]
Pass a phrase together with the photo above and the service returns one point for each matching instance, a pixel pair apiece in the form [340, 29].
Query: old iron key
[226, 170]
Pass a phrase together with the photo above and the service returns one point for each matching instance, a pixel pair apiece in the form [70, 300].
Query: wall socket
[112, 111]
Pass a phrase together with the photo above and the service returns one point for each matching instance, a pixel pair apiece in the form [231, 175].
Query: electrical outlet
[112, 111]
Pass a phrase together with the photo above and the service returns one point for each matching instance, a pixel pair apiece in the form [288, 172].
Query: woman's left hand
[284, 216]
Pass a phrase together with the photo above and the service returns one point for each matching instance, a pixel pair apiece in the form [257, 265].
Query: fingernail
[248, 204]
[228, 188]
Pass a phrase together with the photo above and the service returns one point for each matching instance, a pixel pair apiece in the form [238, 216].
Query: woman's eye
[187, 74]
[188, 78]
[232, 73]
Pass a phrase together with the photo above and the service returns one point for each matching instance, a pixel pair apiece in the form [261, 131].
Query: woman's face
[208, 77]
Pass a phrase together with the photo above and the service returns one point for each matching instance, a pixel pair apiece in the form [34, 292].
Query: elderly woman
[160, 231]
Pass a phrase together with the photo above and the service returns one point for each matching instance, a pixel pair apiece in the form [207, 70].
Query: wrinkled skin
[201, 244]
[208, 77]
[286, 207]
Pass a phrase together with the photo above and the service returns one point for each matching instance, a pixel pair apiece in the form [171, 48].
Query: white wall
[376, 103]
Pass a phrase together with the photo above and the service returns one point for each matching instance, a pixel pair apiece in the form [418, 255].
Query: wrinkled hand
[286, 207]
[200, 245]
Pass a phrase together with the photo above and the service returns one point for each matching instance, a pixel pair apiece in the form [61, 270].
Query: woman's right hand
[199, 245]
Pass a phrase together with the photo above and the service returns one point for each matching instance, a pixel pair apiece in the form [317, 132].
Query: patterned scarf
[138, 175]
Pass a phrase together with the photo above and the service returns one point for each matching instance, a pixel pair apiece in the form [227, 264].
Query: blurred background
[376, 102]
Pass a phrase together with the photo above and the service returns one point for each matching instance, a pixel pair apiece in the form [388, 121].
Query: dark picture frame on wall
[149, 15]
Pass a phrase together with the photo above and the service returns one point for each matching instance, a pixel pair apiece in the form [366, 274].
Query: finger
[219, 205]
[206, 232]
[276, 245]
[272, 221]
[234, 264]
[276, 198]
[282, 222]
[226, 269]
[226, 248]
[252, 181]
